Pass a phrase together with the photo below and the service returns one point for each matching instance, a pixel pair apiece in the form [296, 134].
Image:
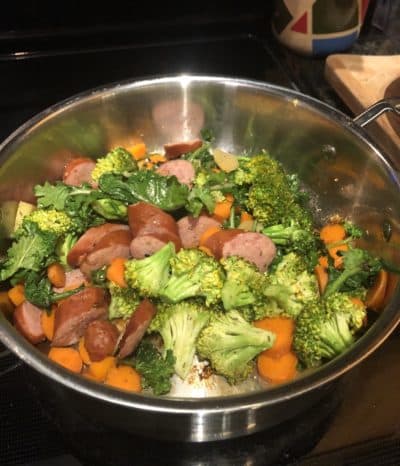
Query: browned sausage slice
[115, 244]
[254, 247]
[191, 229]
[146, 245]
[144, 218]
[27, 322]
[217, 241]
[78, 171]
[182, 169]
[136, 327]
[88, 241]
[75, 313]
[101, 338]
[176, 149]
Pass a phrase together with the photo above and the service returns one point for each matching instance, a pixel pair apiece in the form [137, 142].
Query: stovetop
[358, 424]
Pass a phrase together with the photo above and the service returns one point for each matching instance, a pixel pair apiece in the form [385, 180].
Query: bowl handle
[377, 109]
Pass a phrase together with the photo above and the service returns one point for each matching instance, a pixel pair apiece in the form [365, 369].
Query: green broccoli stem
[179, 288]
[337, 284]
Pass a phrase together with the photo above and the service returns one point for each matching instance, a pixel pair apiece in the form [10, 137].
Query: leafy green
[39, 291]
[32, 250]
[155, 370]
[164, 192]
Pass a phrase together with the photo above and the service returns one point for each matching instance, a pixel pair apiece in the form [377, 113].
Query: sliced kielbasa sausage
[87, 242]
[176, 149]
[145, 218]
[27, 322]
[151, 228]
[78, 171]
[101, 338]
[114, 244]
[254, 247]
[136, 327]
[75, 313]
[182, 169]
[191, 229]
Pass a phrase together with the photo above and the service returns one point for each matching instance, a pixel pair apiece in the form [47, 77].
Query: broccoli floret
[124, 300]
[194, 274]
[51, 221]
[118, 161]
[343, 303]
[288, 289]
[271, 197]
[294, 237]
[230, 343]
[150, 275]
[326, 328]
[179, 326]
[359, 270]
[243, 283]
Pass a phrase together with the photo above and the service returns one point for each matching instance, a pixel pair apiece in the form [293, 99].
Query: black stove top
[357, 423]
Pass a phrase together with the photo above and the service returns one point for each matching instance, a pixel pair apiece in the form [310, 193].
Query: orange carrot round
[283, 329]
[332, 232]
[56, 275]
[17, 294]
[337, 258]
[222, 209]
[206, 250]
[100, 369]
[138, 151]
[277, 370]
[124, 377]
[245, 217]
[83, 351]
[67, 357]
[323, 261]
[47, 322]
[116, 271]
[209, 232]
[376, 294]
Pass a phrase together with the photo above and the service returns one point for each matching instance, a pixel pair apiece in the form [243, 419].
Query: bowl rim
[330, 371]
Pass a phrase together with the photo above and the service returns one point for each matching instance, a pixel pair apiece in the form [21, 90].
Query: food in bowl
[141, 269]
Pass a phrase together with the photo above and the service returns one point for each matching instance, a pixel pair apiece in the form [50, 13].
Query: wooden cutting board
[362, 80]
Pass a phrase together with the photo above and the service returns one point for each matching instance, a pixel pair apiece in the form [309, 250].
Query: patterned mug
[318, 27]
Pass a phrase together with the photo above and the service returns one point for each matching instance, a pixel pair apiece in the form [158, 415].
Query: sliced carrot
[56, 275]
[116, 271]
[83, 352]
[100, 369]
[66, 357]
[283, 329]
[277, 370]
[6, 305]
[145, 165]
[124, 377]
[245, 217]
[138, 151]
[157, 158]
[376, 294]
[323, 261]
[337, 258]
[322, 277]
[209, 232]
[222, 209]
[17, 294]
[47, 322]
[332, 232]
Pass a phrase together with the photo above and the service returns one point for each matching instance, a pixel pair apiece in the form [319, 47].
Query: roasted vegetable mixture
[137, 264]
